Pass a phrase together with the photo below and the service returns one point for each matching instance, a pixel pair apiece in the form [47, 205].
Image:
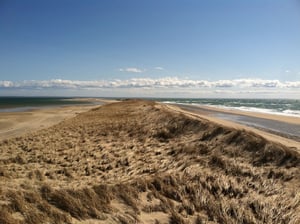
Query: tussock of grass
[120, 161]
[6, 216]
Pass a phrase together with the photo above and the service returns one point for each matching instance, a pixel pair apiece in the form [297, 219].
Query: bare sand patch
[13, 124]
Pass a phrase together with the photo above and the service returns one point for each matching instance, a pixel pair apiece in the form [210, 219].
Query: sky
[157, 48]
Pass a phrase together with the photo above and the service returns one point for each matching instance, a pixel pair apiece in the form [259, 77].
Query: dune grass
[118, 162]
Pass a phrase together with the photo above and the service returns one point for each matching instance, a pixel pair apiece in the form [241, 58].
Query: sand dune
[142, 162]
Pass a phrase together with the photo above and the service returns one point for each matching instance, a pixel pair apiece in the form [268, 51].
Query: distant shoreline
[280, 107]
[34, 118]
[18, 123]
[26, 104]
[22, 120]
[232, 118]
[15, 104]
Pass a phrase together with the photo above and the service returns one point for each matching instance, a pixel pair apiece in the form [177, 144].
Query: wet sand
[282, 125]
[277, 127]
[282, 129]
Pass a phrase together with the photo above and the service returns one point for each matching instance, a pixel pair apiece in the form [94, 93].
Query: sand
[287, 119]
[144, 162]
[13, 124]
[213, 114]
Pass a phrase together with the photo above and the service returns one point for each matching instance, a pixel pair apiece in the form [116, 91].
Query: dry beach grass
[142, 162]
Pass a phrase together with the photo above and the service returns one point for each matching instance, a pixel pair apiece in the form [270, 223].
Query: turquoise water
[287, 107]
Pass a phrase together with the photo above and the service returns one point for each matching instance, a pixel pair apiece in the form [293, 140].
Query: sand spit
[141, 162]
[13, 124]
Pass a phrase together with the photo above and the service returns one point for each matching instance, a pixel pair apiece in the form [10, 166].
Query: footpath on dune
[140, 162]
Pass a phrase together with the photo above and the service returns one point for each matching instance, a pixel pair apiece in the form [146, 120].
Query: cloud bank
[151, 87]
[166, 82]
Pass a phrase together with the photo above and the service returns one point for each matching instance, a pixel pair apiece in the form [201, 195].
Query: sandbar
[13, 124]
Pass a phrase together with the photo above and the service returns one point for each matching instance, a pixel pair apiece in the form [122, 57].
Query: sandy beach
[206, 110]
[23, 121]
[13, 124]
[144, 162]
[283, 129]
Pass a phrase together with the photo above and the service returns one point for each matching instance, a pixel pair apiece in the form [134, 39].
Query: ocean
[286, 107]
[15, 104]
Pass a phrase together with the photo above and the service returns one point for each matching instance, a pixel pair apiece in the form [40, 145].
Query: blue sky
[150, 48]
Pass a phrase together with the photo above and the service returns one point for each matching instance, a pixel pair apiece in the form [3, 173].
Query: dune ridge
[141, 162]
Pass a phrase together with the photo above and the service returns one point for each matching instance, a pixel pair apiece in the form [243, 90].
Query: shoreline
[280, 125]
[213, 109]
[15, 124]
[18, 121]
[220, 116]
[50, 105]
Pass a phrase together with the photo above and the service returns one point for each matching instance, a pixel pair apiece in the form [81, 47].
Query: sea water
[16, 104]
[287, 107]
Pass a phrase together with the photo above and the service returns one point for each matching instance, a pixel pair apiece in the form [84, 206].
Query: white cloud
[293, 84]
[6, 84]
[134, 70]
[224, 83]
[155, 87]
[159, 68]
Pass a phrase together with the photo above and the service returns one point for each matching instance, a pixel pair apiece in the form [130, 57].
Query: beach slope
[142, 162]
